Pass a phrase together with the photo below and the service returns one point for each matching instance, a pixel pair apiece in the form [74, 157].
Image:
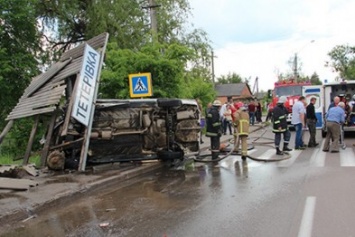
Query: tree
[19, 46]
[169, 77]
[229, 78]
[315, 79]
[343, 61]
[127, 21]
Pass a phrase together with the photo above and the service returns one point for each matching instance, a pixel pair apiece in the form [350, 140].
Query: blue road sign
[140, 85]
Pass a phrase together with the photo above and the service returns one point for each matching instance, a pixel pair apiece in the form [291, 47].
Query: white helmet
[217, 103]
[282, 100]
[354, 97]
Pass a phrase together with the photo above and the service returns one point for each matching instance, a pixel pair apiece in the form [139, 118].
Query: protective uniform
[241, 124]
[280, 125]
[214, 128]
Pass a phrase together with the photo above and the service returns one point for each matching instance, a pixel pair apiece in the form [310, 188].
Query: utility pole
[212, 59]
[256, 87]
[295, 67]
[153, 18]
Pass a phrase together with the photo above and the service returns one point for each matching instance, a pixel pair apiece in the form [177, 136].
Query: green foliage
[19, 45]
[8, 159]
[229, 78]
[315, 79]
[343, 61]
[16, 141]
[166, 63]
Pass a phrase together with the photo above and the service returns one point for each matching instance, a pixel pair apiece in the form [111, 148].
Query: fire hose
[255, 142]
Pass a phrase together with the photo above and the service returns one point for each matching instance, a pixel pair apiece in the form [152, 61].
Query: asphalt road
[310, 194]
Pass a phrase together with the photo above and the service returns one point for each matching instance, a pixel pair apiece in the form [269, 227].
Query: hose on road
[255, 142]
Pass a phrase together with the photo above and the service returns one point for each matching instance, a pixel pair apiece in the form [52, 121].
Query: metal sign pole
[86, 142]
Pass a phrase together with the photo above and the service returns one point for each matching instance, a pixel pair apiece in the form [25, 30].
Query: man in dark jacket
[311, 122]
[214, 129]
[280, 126]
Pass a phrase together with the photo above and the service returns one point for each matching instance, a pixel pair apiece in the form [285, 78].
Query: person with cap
[335, 118]
[241, 125]
[280, 126]
[214, 128]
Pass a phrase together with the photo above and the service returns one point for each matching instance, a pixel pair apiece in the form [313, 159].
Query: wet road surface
[311, 194]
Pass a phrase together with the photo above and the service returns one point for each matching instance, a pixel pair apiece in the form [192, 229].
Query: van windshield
[288, 90]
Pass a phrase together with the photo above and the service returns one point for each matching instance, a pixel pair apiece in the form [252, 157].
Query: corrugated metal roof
[45, 91]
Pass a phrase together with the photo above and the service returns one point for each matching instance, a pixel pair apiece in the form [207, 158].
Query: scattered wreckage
[113, 130]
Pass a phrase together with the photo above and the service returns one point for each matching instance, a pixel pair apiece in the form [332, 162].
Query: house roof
[233, 89]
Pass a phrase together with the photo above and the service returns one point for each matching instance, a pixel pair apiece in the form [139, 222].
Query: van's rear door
[315, 92]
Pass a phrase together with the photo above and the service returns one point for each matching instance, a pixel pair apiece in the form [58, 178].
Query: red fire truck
[289, 88]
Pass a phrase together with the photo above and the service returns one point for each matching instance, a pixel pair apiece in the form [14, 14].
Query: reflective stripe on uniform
[216, 124]
[277, 122]
[277, 130]
[209, 115]
[242, 128]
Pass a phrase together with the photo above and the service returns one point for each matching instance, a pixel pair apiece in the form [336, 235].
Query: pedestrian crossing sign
[140, 85]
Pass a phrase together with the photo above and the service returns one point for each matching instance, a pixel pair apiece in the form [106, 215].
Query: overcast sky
[257, 38]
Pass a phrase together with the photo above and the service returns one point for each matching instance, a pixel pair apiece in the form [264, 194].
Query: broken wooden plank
[66, 144]
[6, 130]
[31, 169]
[17, 184]
[7, 168]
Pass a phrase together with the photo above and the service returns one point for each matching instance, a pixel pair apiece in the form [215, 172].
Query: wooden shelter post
[30, 141]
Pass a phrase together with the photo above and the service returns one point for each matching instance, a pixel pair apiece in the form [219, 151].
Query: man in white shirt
[221, 115]
[298, 121]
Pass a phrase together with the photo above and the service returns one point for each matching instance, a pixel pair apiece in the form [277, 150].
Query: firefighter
[214, 128]
[280, 126]
[241, 124]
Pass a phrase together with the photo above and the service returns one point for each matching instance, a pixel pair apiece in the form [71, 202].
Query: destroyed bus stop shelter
[44, 94]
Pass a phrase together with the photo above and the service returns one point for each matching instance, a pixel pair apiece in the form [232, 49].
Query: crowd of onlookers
[227, 110]
[303, 118]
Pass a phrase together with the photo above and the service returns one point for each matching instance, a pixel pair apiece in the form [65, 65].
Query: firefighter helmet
[282, 100]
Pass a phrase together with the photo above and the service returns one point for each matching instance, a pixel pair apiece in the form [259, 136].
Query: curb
[21, 213]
